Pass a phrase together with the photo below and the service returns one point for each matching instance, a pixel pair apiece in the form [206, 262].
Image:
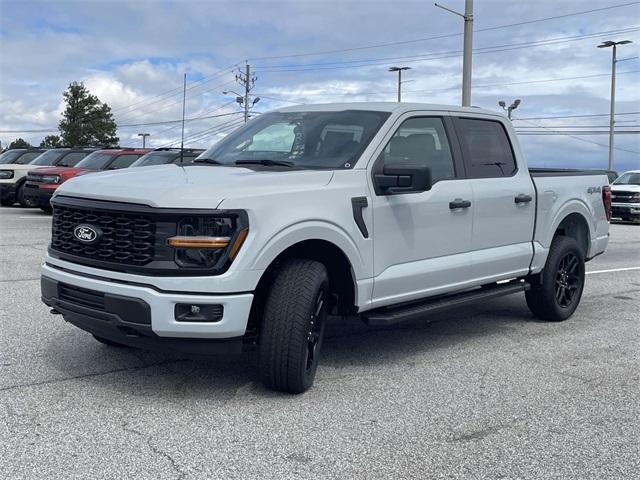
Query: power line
[584, 139]
[575, 116]
[178, 90]
[131, 124]
[436, 37]
[455, 53]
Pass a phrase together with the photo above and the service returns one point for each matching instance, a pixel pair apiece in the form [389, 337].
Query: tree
[51, 141]
[86, 120]
[19, 143]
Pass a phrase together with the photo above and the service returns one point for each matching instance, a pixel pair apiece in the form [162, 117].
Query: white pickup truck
[388, 211]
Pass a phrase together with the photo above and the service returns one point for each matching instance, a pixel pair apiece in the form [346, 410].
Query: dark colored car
[163, 156]
[42, 182]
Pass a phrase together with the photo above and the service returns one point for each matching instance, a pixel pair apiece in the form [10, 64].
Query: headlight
[50, 178]
[4, 174]
[210, 242]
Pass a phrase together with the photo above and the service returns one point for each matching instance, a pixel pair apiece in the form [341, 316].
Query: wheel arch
[576, 226]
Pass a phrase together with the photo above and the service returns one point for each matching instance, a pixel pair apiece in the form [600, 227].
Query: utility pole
[144, 137]
[468, 49]
[247, 80]
[612, 113]
[510, 108]
[399, 70]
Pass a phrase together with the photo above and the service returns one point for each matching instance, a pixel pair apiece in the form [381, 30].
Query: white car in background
[625, 196]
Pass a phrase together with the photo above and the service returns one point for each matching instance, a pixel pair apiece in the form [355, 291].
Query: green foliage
[19, 143]
[51, 141]
[86, 121]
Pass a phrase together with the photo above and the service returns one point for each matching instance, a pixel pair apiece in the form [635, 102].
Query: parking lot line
[613, 270]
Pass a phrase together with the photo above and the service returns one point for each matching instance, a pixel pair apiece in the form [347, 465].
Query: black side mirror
[396, 179]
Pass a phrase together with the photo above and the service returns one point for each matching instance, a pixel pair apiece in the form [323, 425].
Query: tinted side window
[486, 148]
[71, 159]
[28, 158]
[123, 161]
[421, 141]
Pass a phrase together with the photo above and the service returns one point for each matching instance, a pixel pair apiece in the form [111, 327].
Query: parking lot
[482, 392]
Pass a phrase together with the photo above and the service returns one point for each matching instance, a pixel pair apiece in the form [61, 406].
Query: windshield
[629, 178]
[95, 161]
[300, 139]
[154, 158]
[10, 155]
[48, 157]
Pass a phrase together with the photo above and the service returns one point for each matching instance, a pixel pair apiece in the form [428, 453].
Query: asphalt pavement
[481, 392]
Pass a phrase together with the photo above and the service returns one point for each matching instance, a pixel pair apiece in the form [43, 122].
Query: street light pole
[468, 49]
[399, 70]
[144, 138]
[612, 112]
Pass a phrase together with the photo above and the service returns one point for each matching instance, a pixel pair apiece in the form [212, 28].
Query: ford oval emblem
[87, 234]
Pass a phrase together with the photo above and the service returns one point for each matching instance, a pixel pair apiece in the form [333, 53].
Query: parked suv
[41, 183]
[162, 156]
[389, 211]
[625, 196]
[11, 162]
[13, 176]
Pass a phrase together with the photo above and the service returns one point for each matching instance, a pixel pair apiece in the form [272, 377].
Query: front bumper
[39, 197]
[8, 191]
[626, 209]
[142, 316]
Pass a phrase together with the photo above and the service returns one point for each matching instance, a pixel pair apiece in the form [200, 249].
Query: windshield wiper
[266, 162]
[210, 161]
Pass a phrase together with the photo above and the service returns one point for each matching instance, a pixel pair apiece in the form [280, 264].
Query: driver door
[422, 241]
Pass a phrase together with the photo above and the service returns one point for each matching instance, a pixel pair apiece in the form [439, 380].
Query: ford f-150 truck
[388, 211]
[625, 196]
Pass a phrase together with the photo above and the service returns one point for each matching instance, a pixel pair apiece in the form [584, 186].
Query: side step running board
[409, 311]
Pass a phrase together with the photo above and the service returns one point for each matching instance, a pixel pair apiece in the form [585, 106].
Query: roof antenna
[184, 98]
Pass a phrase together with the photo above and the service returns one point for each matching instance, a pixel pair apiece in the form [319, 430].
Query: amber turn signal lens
[198, 242]
[242, 234]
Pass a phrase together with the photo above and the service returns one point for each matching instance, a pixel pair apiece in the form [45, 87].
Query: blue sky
[132, 54]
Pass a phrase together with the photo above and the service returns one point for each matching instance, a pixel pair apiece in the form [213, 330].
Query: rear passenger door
[503, 200]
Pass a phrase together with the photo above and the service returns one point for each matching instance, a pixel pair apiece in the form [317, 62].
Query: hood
[66, 171]
[20, 168]
[171, 186]
[625, 188]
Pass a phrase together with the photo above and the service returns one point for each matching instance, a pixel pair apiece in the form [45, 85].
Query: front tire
[6, 202]
[22, 200]
[558, 294]
[293, 326]
[48, 209]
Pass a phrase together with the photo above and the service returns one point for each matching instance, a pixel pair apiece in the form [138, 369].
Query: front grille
[81, 296]
[127, 238]
[624, 197]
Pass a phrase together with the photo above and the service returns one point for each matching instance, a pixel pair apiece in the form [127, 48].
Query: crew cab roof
[391, 107]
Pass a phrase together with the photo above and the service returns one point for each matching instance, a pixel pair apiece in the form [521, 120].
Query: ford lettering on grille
[87, 234]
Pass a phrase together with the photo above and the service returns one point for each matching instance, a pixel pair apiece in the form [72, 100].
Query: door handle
[522, 198]
[459, 203]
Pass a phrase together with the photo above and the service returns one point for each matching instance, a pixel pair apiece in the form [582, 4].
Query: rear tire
[108, 342]
[22, 200]
[293, 326]
[558, 294]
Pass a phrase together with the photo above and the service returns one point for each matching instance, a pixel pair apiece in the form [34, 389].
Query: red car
[41, 183]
